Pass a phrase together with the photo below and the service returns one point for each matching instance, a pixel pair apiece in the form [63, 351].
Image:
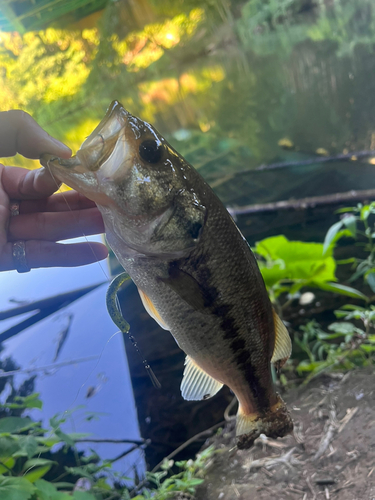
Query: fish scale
[195, 272]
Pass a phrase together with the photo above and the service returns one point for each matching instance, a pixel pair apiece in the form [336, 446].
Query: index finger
[20, 183]
[20, 133]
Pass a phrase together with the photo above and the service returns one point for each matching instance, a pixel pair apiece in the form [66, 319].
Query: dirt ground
[330, 456]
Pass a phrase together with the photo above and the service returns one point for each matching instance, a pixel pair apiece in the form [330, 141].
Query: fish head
[145, 190]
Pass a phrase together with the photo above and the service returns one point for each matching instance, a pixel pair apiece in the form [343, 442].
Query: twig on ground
[269, 462]
[311, 488]
[330, 429]
[350, 412]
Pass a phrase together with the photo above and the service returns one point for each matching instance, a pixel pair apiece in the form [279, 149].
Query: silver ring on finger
[19, 257]
[14, 207]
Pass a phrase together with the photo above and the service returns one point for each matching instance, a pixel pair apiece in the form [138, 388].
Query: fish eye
[151, 151]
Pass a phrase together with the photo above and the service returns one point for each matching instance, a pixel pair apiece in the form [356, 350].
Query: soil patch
[331, 454]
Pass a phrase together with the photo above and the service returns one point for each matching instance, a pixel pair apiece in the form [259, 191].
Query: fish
[195, 272]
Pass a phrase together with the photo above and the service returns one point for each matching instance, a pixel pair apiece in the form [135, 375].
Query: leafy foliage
[360, 225]
[26, 464]
[345, 347]
[287, 266]
[186, 481]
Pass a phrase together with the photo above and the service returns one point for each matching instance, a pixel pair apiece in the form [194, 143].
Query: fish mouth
[99, 146]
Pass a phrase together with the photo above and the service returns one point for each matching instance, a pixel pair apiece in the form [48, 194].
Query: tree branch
[304, 203]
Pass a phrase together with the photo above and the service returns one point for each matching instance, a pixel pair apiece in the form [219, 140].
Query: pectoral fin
[196, 383]
[188, 288]
[151, 309]
[283, 344]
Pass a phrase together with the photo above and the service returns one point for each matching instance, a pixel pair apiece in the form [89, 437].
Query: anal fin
[196, 383]
[283, 344]
[151, 309]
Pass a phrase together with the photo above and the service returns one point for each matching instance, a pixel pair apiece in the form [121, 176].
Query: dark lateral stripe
[260, 393]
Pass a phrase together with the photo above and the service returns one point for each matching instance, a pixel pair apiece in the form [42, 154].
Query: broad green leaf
[36, 473]
[15, 488]
[28, 446]
[48, 491]
[83, 495]
[294, 260]
[331, 233]
[6, 463]
[13, 425]
[343, 327]
[8, 446]
[368, 348]
[272, 275]
[341, 289]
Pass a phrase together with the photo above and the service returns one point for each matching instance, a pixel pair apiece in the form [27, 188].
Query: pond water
[225, 82]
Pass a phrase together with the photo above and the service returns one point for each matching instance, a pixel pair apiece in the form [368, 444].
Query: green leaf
[31, 401]
[15, 488]
[38, 462]
[341, 289]
[83, 495]
[295, 261]
[64, 437]
[306, 366]
[370, 278]
[350, 223]
[8, 446]
[47, 491]
[48, 441]
[36, 473]
[331, 234]
[28, 446]
[365, 212]
[6, 463]
[368, 348]
[13, 425]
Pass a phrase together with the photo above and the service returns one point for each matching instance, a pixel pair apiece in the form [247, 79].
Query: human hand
[44, 217]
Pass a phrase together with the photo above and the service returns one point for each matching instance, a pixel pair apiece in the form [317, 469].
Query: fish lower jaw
[274, 423]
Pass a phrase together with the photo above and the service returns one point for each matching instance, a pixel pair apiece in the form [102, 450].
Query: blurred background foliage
[224, 80]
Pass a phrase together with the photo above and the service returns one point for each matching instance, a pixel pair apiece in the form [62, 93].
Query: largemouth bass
[195, 272]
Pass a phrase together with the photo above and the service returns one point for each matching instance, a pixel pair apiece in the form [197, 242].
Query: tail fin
[275, 422]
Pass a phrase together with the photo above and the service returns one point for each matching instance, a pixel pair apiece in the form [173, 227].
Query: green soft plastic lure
[114, 311]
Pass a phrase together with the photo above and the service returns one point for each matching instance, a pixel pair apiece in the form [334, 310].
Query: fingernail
[63, 151]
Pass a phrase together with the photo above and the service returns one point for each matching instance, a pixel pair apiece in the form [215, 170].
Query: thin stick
[189, 441]
[304, 203]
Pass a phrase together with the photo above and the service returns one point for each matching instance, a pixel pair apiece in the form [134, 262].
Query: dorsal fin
[283, 344]
[196, 383]
[151, 309]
